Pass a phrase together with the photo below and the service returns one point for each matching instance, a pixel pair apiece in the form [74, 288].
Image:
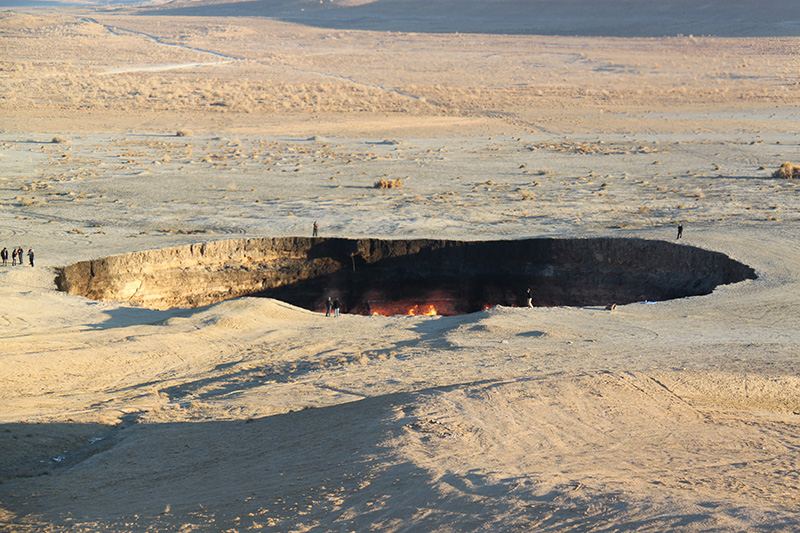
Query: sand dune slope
[547, 453]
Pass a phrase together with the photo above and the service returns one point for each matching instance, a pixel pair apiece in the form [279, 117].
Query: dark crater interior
[419, 276]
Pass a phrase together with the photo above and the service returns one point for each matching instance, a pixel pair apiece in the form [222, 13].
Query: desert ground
[130, 129]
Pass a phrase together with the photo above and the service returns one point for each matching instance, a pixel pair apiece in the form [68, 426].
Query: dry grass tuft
[33, 202]
[389, 184]
[787, 171]
[60, 139]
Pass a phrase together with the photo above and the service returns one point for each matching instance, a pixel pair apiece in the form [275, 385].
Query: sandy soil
[123, 131]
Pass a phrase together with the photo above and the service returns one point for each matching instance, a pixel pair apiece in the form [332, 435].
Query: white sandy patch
[162, 68]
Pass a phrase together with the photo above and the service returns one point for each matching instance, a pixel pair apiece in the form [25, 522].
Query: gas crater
[419, 276]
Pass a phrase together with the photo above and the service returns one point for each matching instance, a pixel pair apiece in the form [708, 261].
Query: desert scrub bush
[60, 139]
[383, 183]
[32, 202]
[787, 171]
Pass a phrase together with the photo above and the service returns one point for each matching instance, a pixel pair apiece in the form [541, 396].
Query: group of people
[332, 305]
[17, 256]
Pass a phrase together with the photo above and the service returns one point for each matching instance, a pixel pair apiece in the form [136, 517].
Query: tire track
[120, 32]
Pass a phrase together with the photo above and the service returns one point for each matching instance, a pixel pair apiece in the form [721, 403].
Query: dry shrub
[787, 171]
[60, 139]
[389, 184]
[33, 202]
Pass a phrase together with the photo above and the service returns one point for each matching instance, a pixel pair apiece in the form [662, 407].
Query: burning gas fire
[411, 308]
[424, 310]
[431, 303]
[416, 310]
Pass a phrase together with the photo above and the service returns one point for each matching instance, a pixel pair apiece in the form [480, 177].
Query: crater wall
[392, 276]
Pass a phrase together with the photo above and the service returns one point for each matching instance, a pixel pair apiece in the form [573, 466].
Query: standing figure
[30, 255]
[336, 306]
[314, 233]
[680, 231]
[328, 306]
[4, 256]
[14, 257]
[529, 297]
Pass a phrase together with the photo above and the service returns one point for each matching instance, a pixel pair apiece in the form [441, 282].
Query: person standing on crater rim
[4, 256]
[529, 297]
[680, 231]
[336, 306]
[314, 232]
[328, 306]
[30, 256]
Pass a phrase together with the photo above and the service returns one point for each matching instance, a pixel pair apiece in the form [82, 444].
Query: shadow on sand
[124, 317]
[332, 468]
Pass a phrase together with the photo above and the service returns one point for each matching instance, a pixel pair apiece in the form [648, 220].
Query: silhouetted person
[680, 231]
[316, 228]
[14, 257]
[336, 306]
[30, 256]
[328, 306]
[529, 297]
[4, 256]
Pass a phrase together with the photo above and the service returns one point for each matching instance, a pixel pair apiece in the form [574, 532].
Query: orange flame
[432, 305]
[424, 310]
[413, 310]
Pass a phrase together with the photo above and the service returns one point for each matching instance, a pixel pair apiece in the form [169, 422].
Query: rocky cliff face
[371, 275]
